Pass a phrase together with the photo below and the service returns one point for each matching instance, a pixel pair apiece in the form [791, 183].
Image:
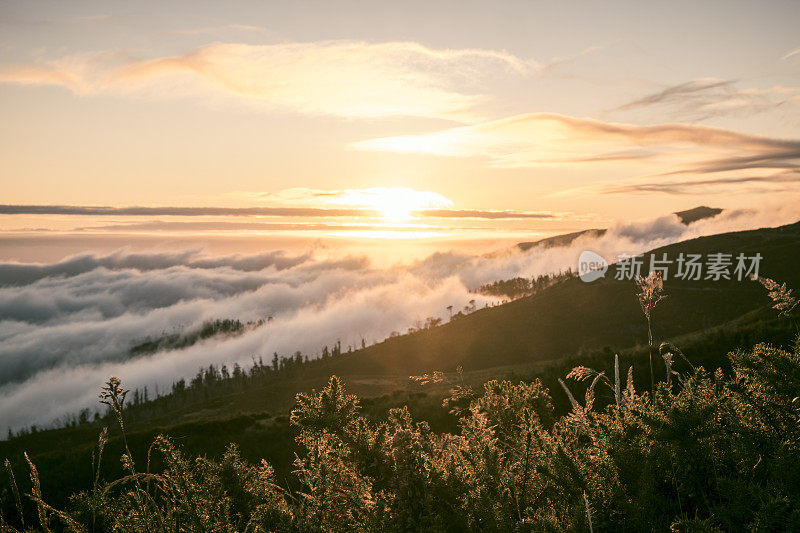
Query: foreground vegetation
[698, 450]
[706, 451]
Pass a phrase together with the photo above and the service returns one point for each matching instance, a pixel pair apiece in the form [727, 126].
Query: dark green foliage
[518, 287]
[710, 452]
[177, 341]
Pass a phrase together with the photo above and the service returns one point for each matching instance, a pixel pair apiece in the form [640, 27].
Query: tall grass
[652, 292]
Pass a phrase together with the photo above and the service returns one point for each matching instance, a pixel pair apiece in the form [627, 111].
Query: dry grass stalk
[781, 296]
[674, 350]
[15, 491]
[113, 395]
[630, 390]
[575, 405]
[97, 457]
[36, 495]
[588, 512]
[668, 364]
[652, 292]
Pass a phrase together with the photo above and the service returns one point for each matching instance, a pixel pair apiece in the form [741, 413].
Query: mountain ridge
[687, 217]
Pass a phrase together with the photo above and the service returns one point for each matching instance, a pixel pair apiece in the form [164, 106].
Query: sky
[414, 120]
[353, 168]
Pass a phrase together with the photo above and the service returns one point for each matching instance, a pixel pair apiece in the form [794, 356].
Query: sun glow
[393, 203]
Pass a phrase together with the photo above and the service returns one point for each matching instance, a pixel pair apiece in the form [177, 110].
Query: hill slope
[575, 315]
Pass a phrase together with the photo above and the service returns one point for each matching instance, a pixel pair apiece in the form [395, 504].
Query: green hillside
[572, 315]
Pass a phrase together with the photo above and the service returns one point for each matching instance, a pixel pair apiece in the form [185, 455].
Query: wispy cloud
[787, 179]
[345, 78]
[370, 197]
[791, 54]
[91, 18]
[544, 139]
[557, 62]
[238, 227]
[677, 93]
[780, 158]
[294, 212]
[704, 98]
[181, 211]
[218, 29]
[483, 213]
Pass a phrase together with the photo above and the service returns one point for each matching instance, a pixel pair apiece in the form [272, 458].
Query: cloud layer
[66, 326]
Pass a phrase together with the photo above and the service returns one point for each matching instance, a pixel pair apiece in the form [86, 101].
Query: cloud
[218, 29]
[772, 159]
[371, 311]
[344, 78]
[546, 139]
[87, 312]
[12, 273]
[181, 211]
[486, 214]
[91, 18]
[788, 180]
[98, 315]
[305, 212]
[213, 226]
[677, 92]
[558, 62]
[790, 54]
[391, 202]
[704, 98]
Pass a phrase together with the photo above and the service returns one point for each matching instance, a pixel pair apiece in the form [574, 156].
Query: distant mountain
[687, 217]
[560, 240]
[698, 213]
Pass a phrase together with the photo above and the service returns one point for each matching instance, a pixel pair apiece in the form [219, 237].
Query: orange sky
[518, 119]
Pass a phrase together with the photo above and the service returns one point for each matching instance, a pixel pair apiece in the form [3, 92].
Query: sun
[395, 204]
[394, 208]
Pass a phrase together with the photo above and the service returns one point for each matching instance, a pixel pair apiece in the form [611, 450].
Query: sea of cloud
[66, 326]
